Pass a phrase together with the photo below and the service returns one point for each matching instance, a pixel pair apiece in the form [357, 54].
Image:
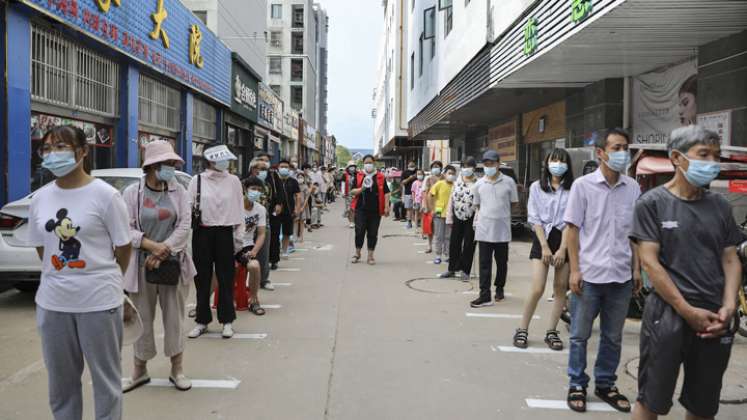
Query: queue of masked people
[598, 235]
[109, 258]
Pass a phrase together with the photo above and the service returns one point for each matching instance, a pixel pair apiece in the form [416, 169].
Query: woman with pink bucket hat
[160, 220]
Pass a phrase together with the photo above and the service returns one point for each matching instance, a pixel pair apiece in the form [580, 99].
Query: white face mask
[368, 167]
[222, 165]
[451, 177]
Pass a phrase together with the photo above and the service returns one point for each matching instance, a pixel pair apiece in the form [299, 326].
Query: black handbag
[196, 211]
[169, 271]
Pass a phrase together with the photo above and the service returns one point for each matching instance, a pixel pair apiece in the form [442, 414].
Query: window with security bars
[159, 104]
[204, 120]
[66, 74]
[276, 39]
[276, 65]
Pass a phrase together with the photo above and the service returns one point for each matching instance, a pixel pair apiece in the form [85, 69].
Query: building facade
[321, 22]
[126, 73]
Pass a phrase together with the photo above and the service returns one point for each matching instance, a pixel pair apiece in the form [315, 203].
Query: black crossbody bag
[196, 211]
[169, 271]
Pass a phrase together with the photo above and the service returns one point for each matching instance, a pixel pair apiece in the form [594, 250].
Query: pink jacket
[178, 242]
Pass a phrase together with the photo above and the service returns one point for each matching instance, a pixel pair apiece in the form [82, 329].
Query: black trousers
[213, 249]
[366, 227]
[462, 245]
[489, 251]
[279, 224]
[399, 210]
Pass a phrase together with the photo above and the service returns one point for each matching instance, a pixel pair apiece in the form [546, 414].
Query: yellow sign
[158, 31]
[104, 5]
[195, 39]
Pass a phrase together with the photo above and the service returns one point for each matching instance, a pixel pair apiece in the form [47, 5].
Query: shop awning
[654, 165]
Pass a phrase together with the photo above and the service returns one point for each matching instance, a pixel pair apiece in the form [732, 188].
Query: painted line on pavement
[420, 244]
[477, 293]
[323, 248]
[297, 259]
[272, 306]
[533, 350]
[289, 270]
[282, 284]
[200, 383]
[500, 316]
[563, 405]
[236, 336]
[300, 250]
[23, 374]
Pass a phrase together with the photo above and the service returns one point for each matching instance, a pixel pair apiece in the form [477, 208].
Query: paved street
[347, 342]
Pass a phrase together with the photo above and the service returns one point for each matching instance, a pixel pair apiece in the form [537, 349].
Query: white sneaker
[227, 331]
[285, 256]
[268, 286]
[197, 331]
[351, 226]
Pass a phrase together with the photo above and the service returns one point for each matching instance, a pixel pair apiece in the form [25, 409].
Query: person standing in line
[329, 181]
[261, 169]
[253, 240]
[160, 219]
[316, 199]
[494, 195]
[285, 208]
[395, 197]
[370, 203]
[218, 205]
[417, 197]
[409, 176]
[460, 216]
[599, 219]
[441, 193]
[427, 205]
[300, 222]
[688, 319]
[348, 184]
[79, 226]
[548, 198]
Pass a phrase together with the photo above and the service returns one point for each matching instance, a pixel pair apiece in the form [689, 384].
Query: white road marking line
[323, 248]
[272, 306]
[301, 250]
[500, 316]
[297, 259]
[236, 336]
[420, 244]
[534, 350]
[200, 383]
[563, 405]
[289, 270]
[282, 284]
[23, 374]
[477, 293]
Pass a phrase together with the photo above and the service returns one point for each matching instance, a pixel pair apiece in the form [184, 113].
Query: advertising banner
[162, 34]
[664, 100]
[720, 122]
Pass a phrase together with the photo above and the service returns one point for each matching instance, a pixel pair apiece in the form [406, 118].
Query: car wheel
[27, 286]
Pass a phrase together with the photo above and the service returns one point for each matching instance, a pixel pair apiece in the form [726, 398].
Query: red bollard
[240, 291]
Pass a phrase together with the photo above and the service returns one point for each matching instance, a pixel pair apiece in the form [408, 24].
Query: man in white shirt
[494, 194]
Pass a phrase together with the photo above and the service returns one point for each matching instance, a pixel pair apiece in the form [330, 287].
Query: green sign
[530, 37]
[580, 10]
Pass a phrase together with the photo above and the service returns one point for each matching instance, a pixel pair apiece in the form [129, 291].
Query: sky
[355, 28]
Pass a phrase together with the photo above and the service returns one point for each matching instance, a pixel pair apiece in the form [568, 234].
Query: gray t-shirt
[692, 236]
[157, 216]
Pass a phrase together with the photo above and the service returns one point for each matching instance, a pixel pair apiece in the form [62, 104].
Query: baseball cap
[491, 155]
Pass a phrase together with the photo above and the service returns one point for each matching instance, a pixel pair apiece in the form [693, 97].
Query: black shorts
[286, 224]
[668, 342]
[554, 240]
[241, 255]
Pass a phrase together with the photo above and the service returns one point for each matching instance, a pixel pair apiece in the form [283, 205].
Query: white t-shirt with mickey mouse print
[79, 229]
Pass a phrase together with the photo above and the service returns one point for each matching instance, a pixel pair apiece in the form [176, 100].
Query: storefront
[270, 117]
[111, 69]
[242, 119]
[543, 130]
[289, 140]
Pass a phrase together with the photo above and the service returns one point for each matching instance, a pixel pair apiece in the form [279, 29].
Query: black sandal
[577, 395]
[614, 398]
[553, 341]
[521, 338]
[256, 309]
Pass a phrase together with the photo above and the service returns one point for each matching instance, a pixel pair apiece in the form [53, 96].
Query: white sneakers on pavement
[227, 331]
[181, 382]
[197, 331]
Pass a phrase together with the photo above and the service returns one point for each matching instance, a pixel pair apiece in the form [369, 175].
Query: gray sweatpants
[264, 258]
[69, 338]
[442, 236]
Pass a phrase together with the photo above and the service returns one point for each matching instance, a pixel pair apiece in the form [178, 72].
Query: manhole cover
[399, 235]
[440, 286]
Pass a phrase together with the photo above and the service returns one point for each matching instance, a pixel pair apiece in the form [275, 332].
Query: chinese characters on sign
[580, 10]
[195, 39]
[243, 94]
[104, 5]
[158, 31]
[530, 37]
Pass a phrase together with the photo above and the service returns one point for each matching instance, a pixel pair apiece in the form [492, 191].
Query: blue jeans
[610, 302]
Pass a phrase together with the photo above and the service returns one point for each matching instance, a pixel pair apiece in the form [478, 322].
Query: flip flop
[129, 384]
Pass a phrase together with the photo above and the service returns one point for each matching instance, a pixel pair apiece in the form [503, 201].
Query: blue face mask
[557, 168]
[262, 175]
[618, 161]
[222, 165]
[491, 171]
[284, 172]
[468, 172]
[436, 171]
[253, 196]
[701, 173]
[166, 173]
[60, 163]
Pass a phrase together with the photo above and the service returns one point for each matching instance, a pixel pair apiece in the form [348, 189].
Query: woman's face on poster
[688, 109]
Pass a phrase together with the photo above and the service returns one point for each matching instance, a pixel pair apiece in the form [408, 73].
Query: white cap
[219, 153]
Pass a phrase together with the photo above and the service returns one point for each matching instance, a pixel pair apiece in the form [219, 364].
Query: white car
[19, 263]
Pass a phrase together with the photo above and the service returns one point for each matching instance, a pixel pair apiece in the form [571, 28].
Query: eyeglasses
[60, 146]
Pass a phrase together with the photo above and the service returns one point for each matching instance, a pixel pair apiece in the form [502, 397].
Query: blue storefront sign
[161, 34]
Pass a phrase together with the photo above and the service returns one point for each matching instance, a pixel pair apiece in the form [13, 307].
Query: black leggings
[462, 245]
[213, 245]
[366, 227]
